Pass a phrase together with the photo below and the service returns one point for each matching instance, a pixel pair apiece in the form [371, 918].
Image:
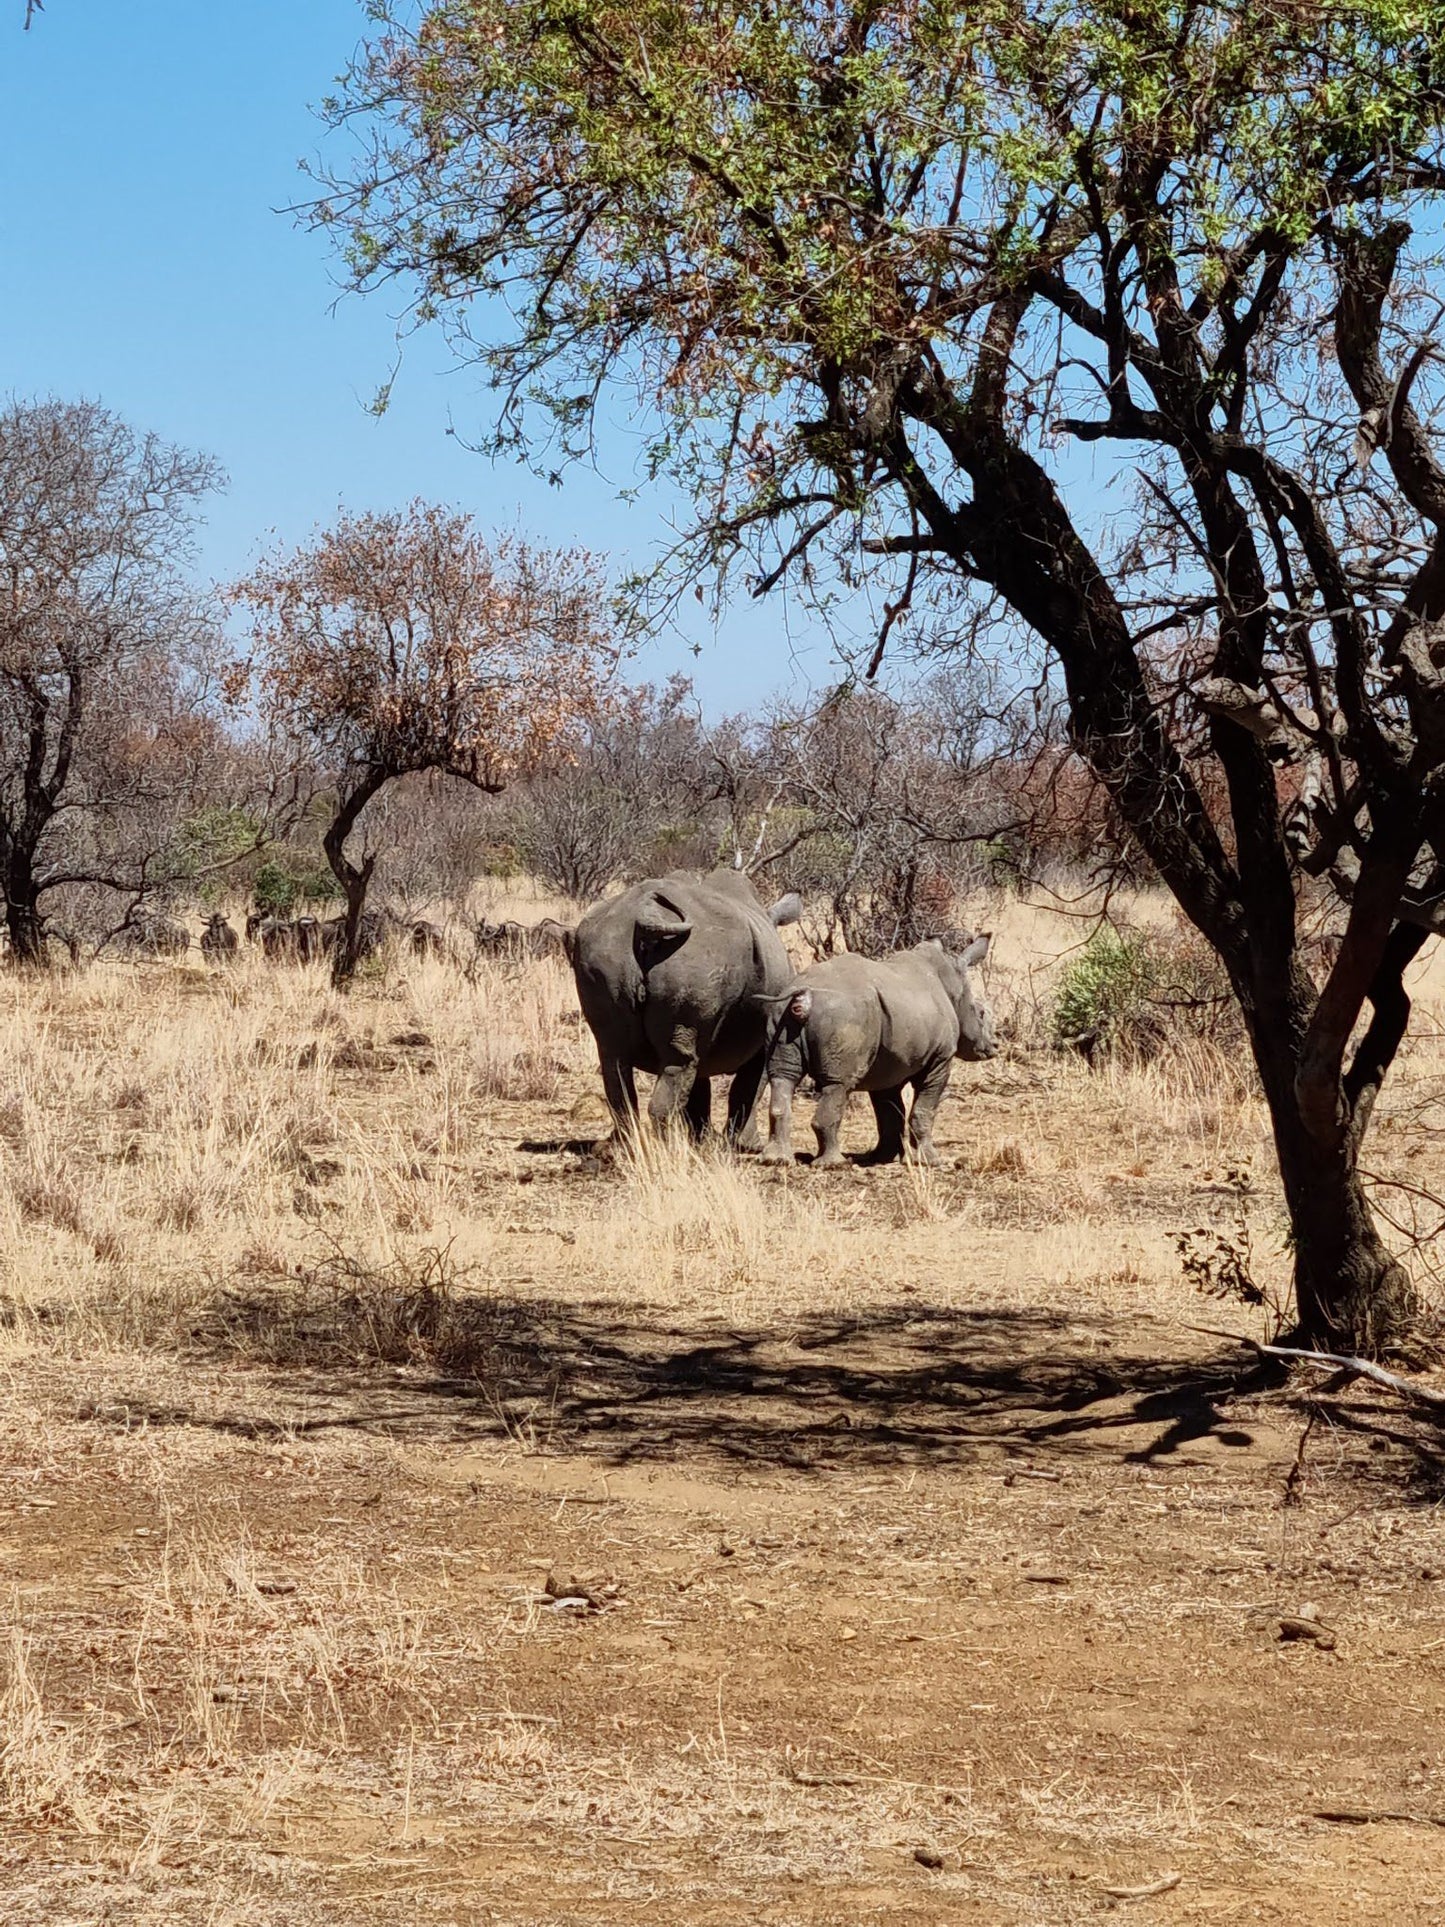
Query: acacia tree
[402, 642]
[880, 265]
[99, 631]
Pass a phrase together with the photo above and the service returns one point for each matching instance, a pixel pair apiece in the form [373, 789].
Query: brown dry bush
[414, 1307]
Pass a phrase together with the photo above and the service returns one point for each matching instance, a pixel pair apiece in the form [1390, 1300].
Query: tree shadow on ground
[892, 1384]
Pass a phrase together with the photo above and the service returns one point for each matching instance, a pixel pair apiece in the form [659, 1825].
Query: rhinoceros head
[977, 1037]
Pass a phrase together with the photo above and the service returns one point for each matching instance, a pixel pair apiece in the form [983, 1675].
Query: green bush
[1135, 991]
[289, 878]
[1105, 992]
[212, 838]
[274, 888]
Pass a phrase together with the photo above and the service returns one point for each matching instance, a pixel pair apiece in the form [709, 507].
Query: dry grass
[320, 1354]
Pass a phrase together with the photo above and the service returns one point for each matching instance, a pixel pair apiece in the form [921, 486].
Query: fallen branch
[1335, 1362]
[1363, 1367]
[1164, 1885]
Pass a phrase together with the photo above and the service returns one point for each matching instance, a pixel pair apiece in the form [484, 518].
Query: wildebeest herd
[307, 938]
[685, 978]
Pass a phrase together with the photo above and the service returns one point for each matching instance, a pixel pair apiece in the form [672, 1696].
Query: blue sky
[145, 146]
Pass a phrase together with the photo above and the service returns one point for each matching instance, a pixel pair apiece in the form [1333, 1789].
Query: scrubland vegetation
[415, 1509]
[924, 1561]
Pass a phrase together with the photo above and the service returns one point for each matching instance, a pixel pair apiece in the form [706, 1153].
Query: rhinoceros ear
[978, 949]
[786, 910]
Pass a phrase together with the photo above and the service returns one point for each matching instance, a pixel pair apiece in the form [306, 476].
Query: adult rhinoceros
[680, 976]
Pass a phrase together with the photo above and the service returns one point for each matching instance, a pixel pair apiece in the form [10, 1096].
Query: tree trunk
[347, 953]
[1351, 1295]
[22, 912]
[354, 878]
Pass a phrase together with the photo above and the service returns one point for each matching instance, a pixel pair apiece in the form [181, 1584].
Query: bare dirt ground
[405, 1517]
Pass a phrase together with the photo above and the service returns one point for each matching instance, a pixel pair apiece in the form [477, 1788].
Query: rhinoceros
[680, 976]
[876, 1025]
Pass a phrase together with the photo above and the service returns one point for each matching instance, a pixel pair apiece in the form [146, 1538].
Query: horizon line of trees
[399, 703]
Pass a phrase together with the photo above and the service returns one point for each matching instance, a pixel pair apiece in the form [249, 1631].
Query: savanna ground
[406, 1517]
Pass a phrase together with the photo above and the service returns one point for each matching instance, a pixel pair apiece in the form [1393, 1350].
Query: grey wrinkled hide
[679, 976]
[877, 1025]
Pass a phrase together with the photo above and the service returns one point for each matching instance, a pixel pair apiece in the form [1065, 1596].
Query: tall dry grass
[163, 1128]
[175, 1143]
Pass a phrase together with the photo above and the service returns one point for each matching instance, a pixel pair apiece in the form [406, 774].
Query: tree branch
[1367, 272]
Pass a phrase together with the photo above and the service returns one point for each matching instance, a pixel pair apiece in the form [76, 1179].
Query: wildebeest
[309, 942]
[877, 1025]
[303, 939]
[549, 937]
[155, 936]
[219, 942]
[512, 941]
[370, 933]
[503, 941]
[680, 976]
[278, 937]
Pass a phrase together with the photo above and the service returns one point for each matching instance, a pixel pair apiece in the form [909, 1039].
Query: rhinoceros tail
[787, 1050]
[657, 916]
[798, 999]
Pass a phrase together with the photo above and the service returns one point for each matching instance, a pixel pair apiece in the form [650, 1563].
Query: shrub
[1105, 991]
[1135, 991]
[274, 888]
[290, 878]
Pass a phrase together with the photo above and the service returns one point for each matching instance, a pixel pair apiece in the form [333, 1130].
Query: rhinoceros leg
[621, 1093]
[779, 1147]
[671, 1092]
[742, 1102]
[928, 1090]
[699, 1108]
[888, 1109]
[828, 1125]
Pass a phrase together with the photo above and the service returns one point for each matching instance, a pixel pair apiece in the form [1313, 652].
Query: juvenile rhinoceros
[681, 976]
[876, 1025]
